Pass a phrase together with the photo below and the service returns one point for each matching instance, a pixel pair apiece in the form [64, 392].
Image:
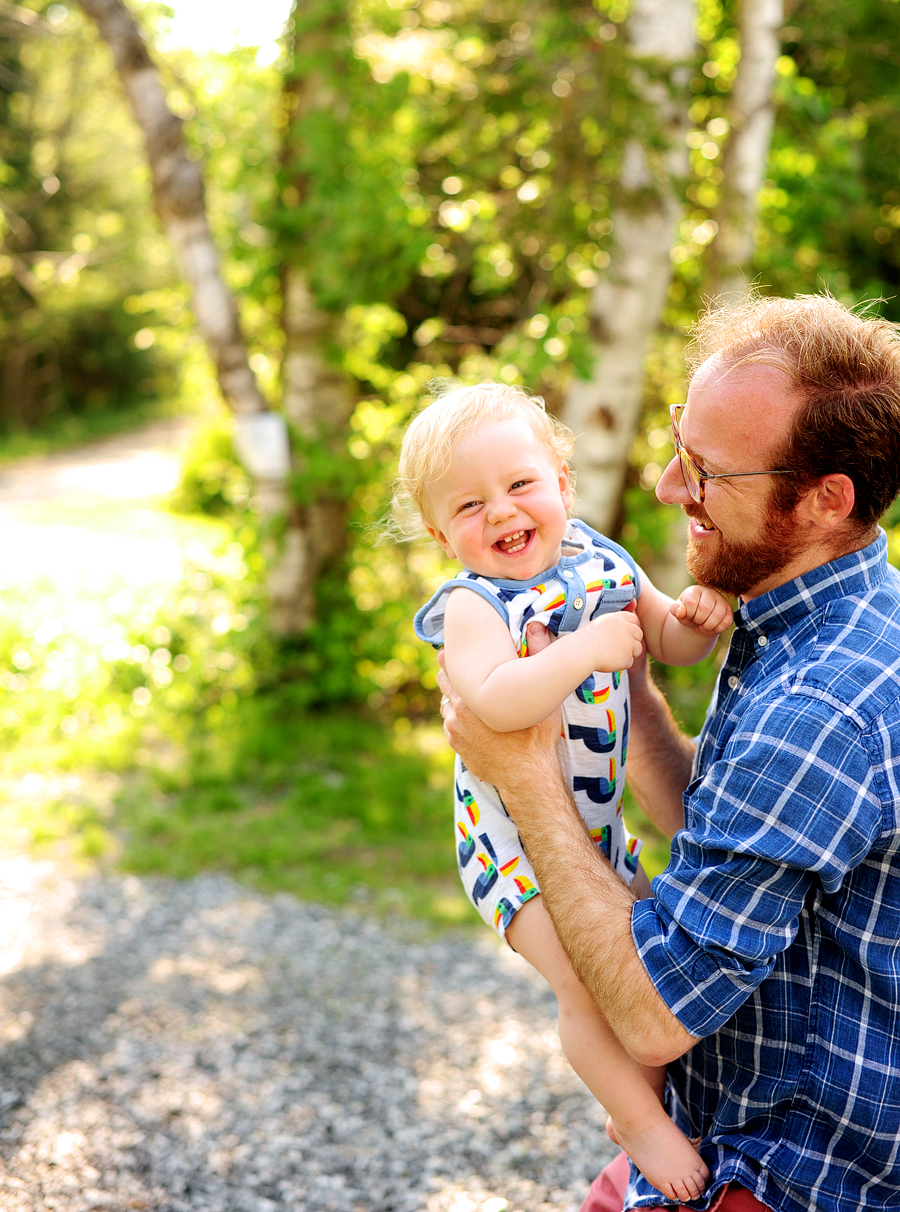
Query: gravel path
[195, 1046]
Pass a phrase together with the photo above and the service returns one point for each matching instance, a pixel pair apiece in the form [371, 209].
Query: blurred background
[212, 214]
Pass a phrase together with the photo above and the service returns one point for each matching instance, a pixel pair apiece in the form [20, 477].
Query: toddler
[485, 471]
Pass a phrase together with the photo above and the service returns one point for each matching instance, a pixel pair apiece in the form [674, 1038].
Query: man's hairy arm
[589, 904]
[660, 756]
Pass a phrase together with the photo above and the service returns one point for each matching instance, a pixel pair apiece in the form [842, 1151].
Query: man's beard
[733, 567]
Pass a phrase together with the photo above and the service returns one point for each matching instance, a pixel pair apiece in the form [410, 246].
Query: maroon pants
[607, 1193]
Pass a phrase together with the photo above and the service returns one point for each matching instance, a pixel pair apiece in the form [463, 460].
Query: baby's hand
[703, 609]
[619, 640]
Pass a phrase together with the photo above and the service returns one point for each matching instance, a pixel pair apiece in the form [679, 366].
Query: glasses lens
[689, 470]
[692, 480]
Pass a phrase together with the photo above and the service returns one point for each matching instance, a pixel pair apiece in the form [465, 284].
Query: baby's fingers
[687, 606]
[704, 609]
[713, 613]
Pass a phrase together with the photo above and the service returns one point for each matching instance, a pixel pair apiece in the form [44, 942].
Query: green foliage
[834, 205]
[325, 469]
[445, 173]
[99, 680]
[830, 206]
[516, 129]
[212, 479]
[76, 235]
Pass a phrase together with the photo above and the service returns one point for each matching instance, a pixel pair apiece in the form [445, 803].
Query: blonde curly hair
[453, 414]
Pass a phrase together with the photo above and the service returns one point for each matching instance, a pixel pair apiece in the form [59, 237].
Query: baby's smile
[513, 542]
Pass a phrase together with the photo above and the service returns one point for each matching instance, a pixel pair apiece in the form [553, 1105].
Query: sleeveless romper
[600, 578]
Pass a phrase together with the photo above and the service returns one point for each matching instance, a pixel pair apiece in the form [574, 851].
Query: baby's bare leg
[640, 1125]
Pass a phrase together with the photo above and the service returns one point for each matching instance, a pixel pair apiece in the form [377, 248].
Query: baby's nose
[499, 511]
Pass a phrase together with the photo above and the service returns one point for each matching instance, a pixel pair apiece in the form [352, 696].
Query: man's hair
[846, 369]
[455, 413]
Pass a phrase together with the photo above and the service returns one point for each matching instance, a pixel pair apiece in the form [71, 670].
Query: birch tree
[178, 194]
[179, 198]
[751, 115]
[317, 396]
[604, 409]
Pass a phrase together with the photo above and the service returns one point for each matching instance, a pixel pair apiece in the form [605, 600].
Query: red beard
[734, 568]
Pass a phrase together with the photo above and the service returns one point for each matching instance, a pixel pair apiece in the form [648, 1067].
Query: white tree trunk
[751, 113]
[604, 411]
[312, 394]
[180, 202]
[318, 401]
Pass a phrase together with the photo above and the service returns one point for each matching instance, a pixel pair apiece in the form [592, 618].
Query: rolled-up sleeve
[790, 804]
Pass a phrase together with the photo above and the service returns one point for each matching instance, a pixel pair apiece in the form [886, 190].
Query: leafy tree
[70, 232]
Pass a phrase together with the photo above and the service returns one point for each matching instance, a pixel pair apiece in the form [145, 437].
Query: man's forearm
[660, 757]
[591, 909]
[588, 903]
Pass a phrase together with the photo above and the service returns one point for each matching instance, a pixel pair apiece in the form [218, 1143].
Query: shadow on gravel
[197, 1046]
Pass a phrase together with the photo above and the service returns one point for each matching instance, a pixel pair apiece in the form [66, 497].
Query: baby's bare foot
[665, 1157]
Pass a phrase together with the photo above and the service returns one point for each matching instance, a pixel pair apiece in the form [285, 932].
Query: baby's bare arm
[684, 631]
[510, 693]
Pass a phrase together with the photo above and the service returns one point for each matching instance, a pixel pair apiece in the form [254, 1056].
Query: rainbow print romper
[598, 578]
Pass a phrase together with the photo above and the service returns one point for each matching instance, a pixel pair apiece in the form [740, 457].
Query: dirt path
[76, 528]
[138, 466]
[95, 509]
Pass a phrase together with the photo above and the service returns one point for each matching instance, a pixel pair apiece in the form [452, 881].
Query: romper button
[567, 573]
[763, 640]
[578, 603]
[732, 681]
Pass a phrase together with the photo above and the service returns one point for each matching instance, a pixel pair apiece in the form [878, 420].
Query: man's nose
[670, 487]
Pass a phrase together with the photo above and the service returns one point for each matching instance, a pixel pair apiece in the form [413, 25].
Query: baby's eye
[521, 484]
[468, 505]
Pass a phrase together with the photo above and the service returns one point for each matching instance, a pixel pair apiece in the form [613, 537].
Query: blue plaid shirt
[775, 930]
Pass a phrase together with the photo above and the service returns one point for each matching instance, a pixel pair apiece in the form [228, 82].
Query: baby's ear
[565, 486]
[442, 541]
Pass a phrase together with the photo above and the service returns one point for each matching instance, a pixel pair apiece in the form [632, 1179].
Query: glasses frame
[693, 474]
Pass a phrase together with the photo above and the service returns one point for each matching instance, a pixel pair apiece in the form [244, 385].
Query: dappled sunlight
[120, 621]
[136, 476]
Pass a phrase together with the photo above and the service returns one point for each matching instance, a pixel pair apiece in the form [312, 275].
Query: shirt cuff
[702, 992]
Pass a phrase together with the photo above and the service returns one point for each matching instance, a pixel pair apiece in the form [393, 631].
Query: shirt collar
[849, 576]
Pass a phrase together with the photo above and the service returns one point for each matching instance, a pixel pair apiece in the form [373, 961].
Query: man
[766, 969]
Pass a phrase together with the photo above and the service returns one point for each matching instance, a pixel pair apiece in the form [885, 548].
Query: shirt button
[578, 603]
[732, 681]
[763, 640]
[567, 573]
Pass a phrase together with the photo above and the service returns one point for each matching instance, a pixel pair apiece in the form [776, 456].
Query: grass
[133, 731]
[332, 807]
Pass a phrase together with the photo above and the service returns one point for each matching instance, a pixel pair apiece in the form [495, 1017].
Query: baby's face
[500, 507]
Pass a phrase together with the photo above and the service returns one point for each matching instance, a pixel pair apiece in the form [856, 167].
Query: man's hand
[506, 759]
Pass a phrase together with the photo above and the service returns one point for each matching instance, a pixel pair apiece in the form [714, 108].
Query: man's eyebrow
[710, 466]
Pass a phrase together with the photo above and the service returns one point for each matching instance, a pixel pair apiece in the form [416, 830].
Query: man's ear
[442, 541]
[830, 502]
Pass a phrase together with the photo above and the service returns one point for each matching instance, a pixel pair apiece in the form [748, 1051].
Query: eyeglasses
[695, 477]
